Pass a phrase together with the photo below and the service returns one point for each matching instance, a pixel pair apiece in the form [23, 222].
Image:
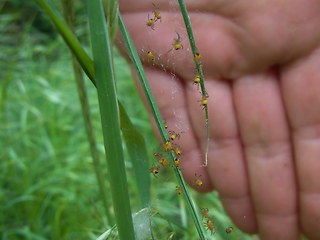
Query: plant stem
[199, 70]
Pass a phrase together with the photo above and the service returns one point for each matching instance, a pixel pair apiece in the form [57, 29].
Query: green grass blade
[72, 42]
[155, 111]
[138, 154]
[146, 88]
[198, 67]
[110, 118]
[111, 9]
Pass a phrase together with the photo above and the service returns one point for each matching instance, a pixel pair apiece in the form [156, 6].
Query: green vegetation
[48, 185]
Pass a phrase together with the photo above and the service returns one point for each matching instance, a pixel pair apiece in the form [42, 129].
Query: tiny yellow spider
[229, 230]
[197, 56]
[150, 55]
[209, 225]
[179, 190]
[155, 170]
[198, 182]
[177, 162]
[177, 43]
[156, 13]
[167, 146]
[174, 135]
[205, 212]
[150, 22]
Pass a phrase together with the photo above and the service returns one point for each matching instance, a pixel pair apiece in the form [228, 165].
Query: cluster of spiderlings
[173, 136]
[151, 21]
[151, 24]
[176, 45]
[209, 222]
[162, 159]
[170, 146]
[204, 97]
[167, 146]
[197, 79]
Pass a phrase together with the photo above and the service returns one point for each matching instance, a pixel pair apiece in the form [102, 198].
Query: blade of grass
[198, 66]
[72, 42]
[138, 155]
[110, 117]
[155, 111]
[68, 14]
[111, 10]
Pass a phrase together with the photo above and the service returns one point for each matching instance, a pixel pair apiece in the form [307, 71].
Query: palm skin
[261, 61]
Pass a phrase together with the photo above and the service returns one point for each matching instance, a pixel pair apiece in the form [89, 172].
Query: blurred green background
[48, 189]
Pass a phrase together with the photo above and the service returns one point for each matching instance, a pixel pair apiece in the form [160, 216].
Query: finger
[222, 49]
[226, 165]
[301, 88]
[217, 6]
[234, 38]
[266, 142]
[168, 91]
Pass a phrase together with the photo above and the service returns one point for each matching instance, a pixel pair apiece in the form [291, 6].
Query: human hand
[261, 61]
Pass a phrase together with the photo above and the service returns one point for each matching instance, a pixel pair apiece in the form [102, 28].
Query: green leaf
[109, 111]
[72, 42]
[138, 155]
